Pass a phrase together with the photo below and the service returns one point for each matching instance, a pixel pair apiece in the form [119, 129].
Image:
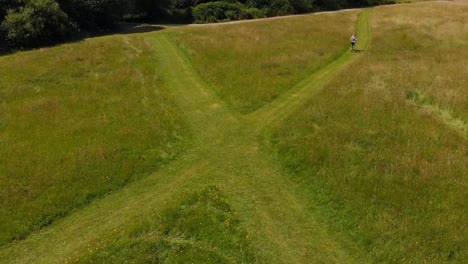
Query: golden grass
[432, 48]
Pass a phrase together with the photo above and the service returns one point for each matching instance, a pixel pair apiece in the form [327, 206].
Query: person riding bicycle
[353, 40]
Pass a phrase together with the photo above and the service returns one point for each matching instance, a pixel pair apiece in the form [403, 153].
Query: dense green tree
[280, 8]
[6, 5]
[152, 7]
[30, 23]
[302, 6]
[339, 4]
[38, 22]
[218, 11]
[94, 15]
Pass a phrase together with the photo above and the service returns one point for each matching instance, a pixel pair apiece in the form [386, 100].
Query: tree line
[34, 23]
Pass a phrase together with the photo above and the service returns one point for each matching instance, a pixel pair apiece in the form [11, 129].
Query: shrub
[251, 13]
[302, 6]
[180, 15]
[6, 5]
[156, 10]
[94, 15]
[280, 8]
[381, 2]
[3, 42]
[218, 11]
[331, 4]
[38, 23]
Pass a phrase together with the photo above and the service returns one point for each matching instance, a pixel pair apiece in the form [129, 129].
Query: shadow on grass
[133, 28]
[357, 50]
[123, 28]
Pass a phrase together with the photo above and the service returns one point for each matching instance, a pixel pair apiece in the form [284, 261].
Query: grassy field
[200, 228]
[224, 153]
[76, 122]
[250, 64]
[341, 160]
[432, 50]
[378, 147]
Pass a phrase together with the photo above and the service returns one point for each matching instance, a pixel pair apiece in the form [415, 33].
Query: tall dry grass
[76, 122]
[428, 50]
[250, 64]
[384, 171]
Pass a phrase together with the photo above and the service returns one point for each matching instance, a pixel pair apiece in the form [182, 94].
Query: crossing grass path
[226, 152]
[304, 90]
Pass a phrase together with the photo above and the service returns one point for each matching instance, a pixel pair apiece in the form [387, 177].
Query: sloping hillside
[241, 143]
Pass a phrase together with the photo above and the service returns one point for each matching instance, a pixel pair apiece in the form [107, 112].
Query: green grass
[77, 122]
[359, 171]
[385, 171]
[225, 151]
[251, 64]
[433, 50]
[201, 228]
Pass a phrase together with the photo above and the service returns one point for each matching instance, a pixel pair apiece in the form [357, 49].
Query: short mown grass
[250, 64]
[200, 228]
[384, 171]
[79, 121]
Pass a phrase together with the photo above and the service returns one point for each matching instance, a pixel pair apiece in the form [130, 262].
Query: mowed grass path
[226, 152]
[250, 64]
